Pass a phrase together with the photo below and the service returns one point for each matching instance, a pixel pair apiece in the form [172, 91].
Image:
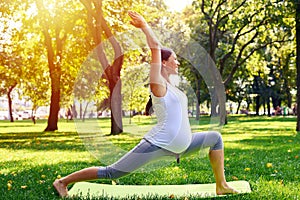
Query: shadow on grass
[18, 125]
[46, 141]
[41, 141]
[276, 142]
[251, 130]
[261, 118]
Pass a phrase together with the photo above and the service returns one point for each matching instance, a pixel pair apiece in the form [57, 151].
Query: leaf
[269, 165]
[24, 186]
[247, 169]
[9, 186]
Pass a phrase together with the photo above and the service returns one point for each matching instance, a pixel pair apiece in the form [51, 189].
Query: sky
[177, 5]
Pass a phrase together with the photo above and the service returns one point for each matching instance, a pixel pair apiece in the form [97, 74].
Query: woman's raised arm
[157, 83]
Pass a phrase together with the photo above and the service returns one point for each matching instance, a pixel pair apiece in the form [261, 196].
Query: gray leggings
[146, 152]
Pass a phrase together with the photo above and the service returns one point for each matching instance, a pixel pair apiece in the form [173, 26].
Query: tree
[57, 22]
[11, 59]
[98, 25]
[238, 91]
[254, 20]
[135, 94]
[234, 30]
[35, 86]
[89, 87]
[105, 18]
[35, 77]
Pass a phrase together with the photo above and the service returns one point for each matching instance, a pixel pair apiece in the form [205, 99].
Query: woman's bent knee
[218, 140]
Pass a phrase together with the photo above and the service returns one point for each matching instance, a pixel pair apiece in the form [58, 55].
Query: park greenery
[45, 44]
[54, 52]
[261, 150]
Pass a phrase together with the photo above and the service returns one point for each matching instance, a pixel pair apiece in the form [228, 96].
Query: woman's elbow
[154, 45]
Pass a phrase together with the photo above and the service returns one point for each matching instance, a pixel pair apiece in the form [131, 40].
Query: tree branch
[203, 11]
[239, 62]
[233, 11]
[88, 6]
[237, 36]
[218, 9]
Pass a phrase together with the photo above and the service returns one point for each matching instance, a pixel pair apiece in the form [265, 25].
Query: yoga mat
[87, 189]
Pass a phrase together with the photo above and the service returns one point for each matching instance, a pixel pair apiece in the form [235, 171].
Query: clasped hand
[137, 20]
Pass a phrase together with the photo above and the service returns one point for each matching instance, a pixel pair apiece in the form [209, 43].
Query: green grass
[30, 160]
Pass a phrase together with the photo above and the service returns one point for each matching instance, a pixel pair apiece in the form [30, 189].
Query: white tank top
[172, 131]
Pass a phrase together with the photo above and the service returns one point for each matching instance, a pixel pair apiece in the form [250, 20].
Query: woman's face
[171, 65]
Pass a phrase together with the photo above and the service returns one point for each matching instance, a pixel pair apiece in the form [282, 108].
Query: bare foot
[226, 189]
[61, 188]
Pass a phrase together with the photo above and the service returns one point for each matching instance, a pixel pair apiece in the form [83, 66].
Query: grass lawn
[262, 150]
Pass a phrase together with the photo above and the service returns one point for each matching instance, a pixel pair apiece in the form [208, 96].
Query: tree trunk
[257, 104]
[115, 104]
[214, 104]
[80, 111]
[55, 75]
[55, 96]
[264, 106]
[11, 118]
[297, 4]
[54, 109]
[74, 112]
[84, 111]
[197, 117]
[97, 26]
[10, 103]
[238, 107]
[198, 98]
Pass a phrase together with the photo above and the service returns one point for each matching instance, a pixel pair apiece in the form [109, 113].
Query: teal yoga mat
[87, 189]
